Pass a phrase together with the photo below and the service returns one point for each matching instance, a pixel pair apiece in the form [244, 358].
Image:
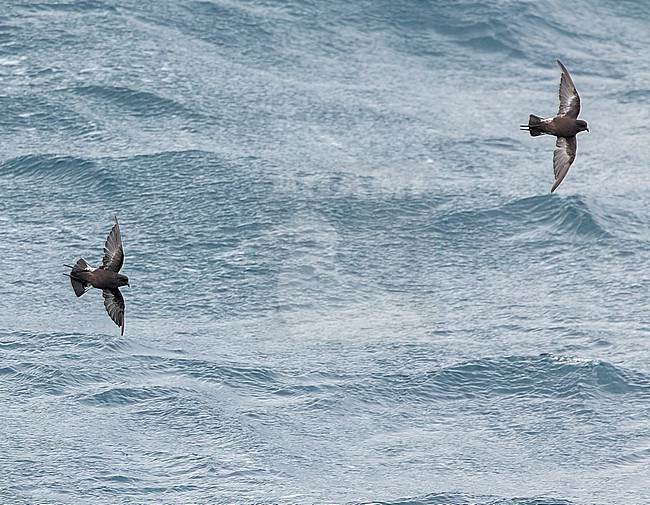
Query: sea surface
[350, 283]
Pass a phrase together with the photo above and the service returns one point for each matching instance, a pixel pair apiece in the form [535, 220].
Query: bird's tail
[79, 285]
[534, 126]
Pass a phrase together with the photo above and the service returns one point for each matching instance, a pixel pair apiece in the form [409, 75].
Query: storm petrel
[565, 126]
[104, 277]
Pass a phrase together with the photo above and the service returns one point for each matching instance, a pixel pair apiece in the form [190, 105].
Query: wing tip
[556, 185]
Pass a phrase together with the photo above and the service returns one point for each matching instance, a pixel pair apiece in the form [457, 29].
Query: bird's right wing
[569, 98]
[563, 156]
[114, 304]
[113, 252]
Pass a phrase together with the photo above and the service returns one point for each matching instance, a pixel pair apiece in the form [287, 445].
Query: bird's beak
[587, 129]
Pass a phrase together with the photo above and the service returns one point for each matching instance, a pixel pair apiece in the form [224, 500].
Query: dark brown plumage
[105, 277]
[565, 126]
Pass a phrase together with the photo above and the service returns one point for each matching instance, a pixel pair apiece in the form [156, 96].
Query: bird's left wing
[114, 304]
[563, 156]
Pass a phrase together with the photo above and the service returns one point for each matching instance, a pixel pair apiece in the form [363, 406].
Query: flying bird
[105, 277]
[565, 126]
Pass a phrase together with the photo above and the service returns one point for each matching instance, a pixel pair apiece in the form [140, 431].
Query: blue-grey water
[349, 280]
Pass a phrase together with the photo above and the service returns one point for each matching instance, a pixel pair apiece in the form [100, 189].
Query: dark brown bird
[104, 277]
[565, 126]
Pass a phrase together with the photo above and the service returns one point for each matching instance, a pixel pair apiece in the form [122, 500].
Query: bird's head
[123, 280]
[582, 125]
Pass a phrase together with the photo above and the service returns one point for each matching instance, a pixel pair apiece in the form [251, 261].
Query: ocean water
[349, 281]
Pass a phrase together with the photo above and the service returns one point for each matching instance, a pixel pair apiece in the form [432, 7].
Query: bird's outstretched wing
[113, 252]
[563, 156]
[569, 98]
[114, 303]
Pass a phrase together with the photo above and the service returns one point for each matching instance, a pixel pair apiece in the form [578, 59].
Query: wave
[251, 379]
[544, 376]
[82, 6]
[29, 374]
[57, 169]
[119, 396]
[252, 34]
[540, 217]
[458, 499]
[472, 30]
[142, 104]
